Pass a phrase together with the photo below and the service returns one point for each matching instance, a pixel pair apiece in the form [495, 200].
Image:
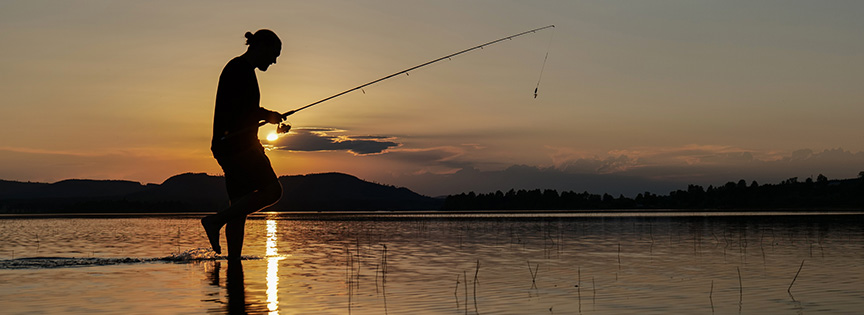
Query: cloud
[47, 152]
[435, 155]
[329, 139]
[435, 160]
[706, 163]
[637, 171]
[618, 161]
[528, 177]
[143, 164]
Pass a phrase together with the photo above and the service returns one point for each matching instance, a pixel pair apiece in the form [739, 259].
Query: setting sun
[272, 136]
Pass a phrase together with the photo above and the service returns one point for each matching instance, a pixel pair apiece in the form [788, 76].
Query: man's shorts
[246, 171]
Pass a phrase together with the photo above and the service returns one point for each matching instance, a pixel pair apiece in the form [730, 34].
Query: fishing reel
[283, 128]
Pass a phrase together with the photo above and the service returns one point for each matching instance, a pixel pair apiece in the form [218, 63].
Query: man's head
[264, 48]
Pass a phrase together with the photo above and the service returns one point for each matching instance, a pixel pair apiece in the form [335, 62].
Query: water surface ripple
[536, 263]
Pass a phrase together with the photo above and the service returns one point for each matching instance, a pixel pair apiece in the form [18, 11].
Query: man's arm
[268, 116]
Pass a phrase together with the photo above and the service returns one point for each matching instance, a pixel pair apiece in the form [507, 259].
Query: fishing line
[548, 47]
[419, 66]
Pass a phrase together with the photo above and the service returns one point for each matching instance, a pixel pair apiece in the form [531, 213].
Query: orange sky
[662, 90]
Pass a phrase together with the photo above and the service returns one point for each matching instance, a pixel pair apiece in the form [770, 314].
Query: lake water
[541, 263]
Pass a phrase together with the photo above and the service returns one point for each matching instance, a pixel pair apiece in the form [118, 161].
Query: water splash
[188, 256]
[193, 254]
[57, 262]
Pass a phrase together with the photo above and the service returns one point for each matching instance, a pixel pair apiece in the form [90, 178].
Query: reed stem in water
[740, 286]
[796, 276]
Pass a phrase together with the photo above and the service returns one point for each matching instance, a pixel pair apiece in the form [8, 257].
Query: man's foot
[212, 230]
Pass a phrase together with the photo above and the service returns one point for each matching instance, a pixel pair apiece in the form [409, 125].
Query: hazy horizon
[526, 177]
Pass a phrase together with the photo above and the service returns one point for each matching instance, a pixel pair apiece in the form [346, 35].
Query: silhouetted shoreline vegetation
[820, 193]
[341, 192]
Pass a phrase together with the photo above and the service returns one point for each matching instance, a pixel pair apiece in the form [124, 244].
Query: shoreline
[457, 214]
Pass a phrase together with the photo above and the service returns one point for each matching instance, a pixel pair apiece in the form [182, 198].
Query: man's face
[268, 57]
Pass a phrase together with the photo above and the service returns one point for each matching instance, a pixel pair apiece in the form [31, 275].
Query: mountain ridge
[200, 192]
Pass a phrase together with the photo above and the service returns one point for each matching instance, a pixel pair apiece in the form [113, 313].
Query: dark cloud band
[324, 139]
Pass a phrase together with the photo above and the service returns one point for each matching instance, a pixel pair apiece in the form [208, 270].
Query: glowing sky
[650, 93]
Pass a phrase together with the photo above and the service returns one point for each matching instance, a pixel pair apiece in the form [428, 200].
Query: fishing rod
[289, 113]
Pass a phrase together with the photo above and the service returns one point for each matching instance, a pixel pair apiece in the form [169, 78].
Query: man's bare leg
[235, 229]
[212, 227]
[244, 206]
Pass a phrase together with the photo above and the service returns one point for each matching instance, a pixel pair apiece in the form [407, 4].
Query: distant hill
[70, 188]
[185, 192]
[337, 191]
[13, 189]
[192, 192]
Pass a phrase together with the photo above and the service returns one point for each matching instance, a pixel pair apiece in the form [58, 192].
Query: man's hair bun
[263, 36]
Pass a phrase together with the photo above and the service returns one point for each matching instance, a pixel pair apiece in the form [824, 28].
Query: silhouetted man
[249, 178]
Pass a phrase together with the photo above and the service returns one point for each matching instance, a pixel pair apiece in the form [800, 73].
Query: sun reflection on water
[273, 259]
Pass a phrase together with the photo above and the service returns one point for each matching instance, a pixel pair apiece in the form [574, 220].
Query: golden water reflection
[273, 258]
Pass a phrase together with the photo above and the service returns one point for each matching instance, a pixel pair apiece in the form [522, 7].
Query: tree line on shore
[334, 191]
[820, 193]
